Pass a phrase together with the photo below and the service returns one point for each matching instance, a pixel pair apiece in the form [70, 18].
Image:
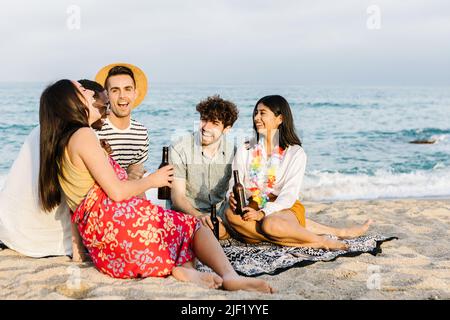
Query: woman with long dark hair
[272, 166]
[126, 237]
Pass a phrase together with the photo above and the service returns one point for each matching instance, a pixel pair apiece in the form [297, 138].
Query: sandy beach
[416, 266]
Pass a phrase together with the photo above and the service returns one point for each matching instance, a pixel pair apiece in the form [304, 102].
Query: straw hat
[139, 77]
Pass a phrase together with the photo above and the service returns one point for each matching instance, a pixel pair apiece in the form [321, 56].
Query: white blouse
[289, 176]
[24, 227]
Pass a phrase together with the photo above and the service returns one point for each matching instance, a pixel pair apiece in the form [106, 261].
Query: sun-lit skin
[265, 120]
[122, 94]
[211, 133]
[87, 96]
[266, 123]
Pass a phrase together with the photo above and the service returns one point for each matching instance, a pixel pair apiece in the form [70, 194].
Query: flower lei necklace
[262, 173]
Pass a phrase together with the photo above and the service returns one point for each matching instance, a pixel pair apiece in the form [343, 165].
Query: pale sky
[229, 41]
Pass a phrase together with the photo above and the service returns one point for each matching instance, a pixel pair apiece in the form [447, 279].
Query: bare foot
[331, 244]
[355, 232]
[208, 280]
[234, 282]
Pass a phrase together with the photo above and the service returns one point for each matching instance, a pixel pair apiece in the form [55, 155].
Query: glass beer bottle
[164, 192]
[215, 221]
[239, 193]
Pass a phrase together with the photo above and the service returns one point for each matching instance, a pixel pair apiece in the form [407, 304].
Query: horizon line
[252, 84]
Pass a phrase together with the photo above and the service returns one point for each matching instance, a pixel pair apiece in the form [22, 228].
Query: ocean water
[357, 138]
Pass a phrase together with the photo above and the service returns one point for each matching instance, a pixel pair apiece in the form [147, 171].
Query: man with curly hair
[202, 162]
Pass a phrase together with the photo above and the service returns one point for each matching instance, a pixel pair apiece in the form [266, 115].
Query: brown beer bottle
[239, 193]
[215, 221]
[164, 192]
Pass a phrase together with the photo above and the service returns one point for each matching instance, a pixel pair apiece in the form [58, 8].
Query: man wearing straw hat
[126, 85]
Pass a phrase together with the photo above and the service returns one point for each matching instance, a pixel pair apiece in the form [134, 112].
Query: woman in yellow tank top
[126, 236]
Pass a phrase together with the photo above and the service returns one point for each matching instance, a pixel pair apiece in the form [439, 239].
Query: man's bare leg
[188, 273]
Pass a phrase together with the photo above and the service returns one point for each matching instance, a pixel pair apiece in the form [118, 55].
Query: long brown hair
[61, 113]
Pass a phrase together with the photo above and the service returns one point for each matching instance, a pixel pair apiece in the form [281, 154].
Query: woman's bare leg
[250, 231]
[343, 233]
[283, 227]
[209, 252]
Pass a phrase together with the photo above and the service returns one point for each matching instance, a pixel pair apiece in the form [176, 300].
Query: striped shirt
[130, 146]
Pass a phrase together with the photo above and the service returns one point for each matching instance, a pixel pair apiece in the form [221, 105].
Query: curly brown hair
[215, 108]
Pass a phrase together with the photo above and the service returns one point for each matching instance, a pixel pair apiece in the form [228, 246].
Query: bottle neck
[165, 155]
[236, 177]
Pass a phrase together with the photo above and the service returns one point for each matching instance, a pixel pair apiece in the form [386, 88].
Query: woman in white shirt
[23, 226]
[271, 168]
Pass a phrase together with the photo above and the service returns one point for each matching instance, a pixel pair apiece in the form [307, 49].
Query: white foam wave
[322, 186]
[439, 137]
[439, 165]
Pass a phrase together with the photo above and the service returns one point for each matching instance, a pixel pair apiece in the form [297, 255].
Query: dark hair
[61, 113]
[92, 85]
[278, 105]
[215, 108]
[118, 70]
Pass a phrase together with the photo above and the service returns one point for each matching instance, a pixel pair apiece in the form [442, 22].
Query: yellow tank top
[76, 183]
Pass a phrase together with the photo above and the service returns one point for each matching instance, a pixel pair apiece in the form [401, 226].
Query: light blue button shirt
[206, 178]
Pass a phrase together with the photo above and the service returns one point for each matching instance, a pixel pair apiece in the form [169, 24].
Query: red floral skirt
[133, 238]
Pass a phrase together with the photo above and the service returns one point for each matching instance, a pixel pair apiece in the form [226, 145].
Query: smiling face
[265, 120]
[122, 94]
[87, 96]
[211, 131]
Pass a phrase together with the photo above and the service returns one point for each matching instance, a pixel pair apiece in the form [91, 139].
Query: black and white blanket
[268, 258]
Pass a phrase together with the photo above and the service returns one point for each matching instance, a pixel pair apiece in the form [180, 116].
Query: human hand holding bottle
[162, 177]
[232, 201]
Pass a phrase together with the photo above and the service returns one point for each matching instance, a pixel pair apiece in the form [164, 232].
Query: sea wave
[433, 135]
[440, 137]
[23, 127]
[329, 104]
[422, 135]
[324, 186]
[411, 133]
